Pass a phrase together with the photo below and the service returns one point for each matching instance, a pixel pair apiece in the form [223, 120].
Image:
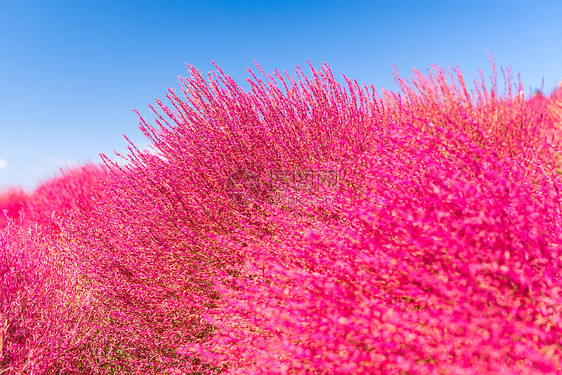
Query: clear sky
[71, 72]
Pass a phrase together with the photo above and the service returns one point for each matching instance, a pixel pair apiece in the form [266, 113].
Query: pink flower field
[302, 226]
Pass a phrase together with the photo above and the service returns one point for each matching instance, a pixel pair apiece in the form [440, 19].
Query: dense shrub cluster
[299, 227]
[12, 201]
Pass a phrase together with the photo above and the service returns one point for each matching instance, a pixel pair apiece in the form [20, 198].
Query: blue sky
[71, 72]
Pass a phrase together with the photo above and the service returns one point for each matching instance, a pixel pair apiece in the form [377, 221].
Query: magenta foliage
[73, 190]
[41, 307]
[12, 202]
[446, 266]
[452, 264]
[433, 249]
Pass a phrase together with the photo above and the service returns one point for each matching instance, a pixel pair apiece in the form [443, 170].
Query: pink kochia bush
[42, 307]
[432, 247]
[443, 266]
[12, 201]
[446, 259]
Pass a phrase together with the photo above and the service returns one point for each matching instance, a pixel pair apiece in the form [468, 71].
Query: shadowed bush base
[299, 227]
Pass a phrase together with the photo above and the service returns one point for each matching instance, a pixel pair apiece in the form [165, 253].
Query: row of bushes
[302, 226]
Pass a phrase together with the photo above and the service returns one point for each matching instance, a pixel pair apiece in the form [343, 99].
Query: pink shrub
[451, 266]
[147, 252]
[452, 192]
[429, 245]
[12, 201]
[42, 307]
[71, 191]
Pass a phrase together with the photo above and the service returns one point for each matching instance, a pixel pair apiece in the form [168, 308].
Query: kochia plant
[300, 227]
[12, 201]
[449, 264]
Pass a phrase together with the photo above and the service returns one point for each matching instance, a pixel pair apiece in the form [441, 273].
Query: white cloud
[4, 164]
